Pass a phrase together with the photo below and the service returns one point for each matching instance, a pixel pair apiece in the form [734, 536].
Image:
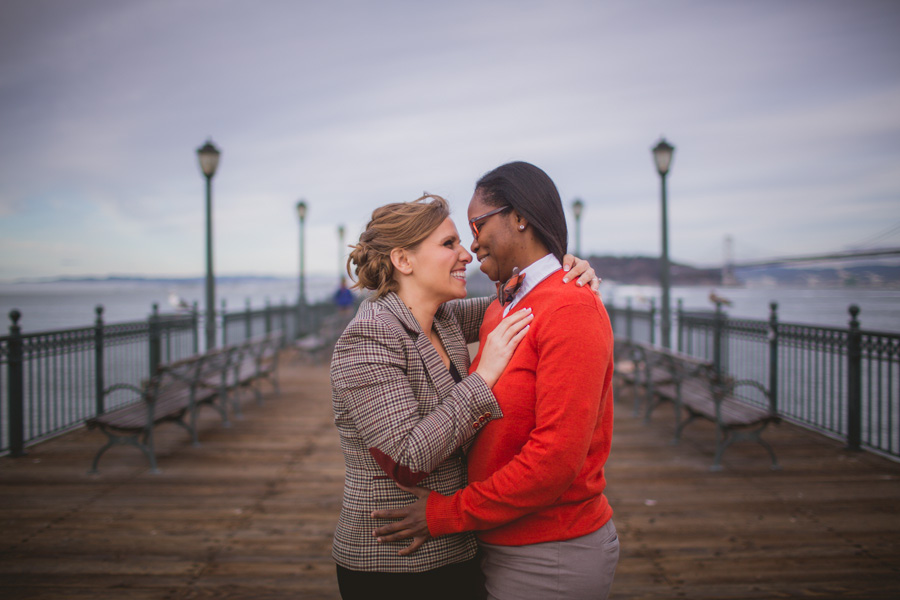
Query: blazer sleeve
[371, 383]
[470, 314]
[567, 407]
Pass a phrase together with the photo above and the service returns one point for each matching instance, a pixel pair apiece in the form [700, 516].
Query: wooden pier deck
[250, 513]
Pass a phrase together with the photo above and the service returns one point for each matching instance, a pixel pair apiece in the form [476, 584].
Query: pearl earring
[521, 228]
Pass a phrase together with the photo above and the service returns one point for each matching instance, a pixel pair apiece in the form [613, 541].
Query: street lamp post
[577, 208]
[301, 212]
[209, 162]
[662, 154]
[340, 253]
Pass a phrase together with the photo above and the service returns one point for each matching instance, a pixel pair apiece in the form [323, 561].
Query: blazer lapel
[438, 374]
[451, 336]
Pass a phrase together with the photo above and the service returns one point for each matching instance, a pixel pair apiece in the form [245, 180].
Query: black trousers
[459, 581]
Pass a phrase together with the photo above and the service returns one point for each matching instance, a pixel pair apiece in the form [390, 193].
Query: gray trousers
[581, 568]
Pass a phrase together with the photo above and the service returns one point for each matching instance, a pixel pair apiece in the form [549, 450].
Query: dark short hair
[533, 195]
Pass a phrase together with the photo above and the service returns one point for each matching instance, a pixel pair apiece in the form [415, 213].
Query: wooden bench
[255, 361]
[642, 367]
[213, 378]
[317, 347]
[177, 391]
[698, 392]
[171, 395]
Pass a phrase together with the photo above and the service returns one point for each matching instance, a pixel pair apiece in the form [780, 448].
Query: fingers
[519, 319]
[394, 529]
[586, 277]
[416, 544]
[575, 268]
[396, 513]
[516, 316]
[418, 492]
[395, 536]
[511, 325]
[519, 336]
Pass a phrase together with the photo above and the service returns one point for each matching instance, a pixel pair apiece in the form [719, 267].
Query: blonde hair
[397, 225]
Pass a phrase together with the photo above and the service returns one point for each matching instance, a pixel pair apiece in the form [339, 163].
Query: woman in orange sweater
[536, 476]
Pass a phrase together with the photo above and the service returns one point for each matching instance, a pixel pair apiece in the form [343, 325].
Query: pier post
[195, 326]
[854, 381]
[679, 310]
[248, 324]
[15, 387]
[717, 339]
[628, 331]
[155, 350]
[268, 317]
[284, 329]
[773, 357]
[653, 322]
[99, 384]
[224, 325]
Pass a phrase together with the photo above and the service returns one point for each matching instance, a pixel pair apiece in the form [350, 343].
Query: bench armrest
[761, 388]
[125, 386]
[751, 383]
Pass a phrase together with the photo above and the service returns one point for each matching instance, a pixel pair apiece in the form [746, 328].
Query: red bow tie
[507, 291]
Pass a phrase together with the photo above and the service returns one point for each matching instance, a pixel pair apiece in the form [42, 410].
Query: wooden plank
[250, 513]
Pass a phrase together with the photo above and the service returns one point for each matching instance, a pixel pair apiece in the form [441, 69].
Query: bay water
[64, 304]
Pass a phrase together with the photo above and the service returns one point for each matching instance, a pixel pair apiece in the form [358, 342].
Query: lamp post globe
[577, 209]
[208, 156]
[662, 156]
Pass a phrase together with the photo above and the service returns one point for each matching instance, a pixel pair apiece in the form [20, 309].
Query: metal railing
[249, 323]
[52, 381]
[841, 382]
[296, 321]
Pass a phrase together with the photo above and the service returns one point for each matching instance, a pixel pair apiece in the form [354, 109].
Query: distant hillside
[644, 270]
[638, 270]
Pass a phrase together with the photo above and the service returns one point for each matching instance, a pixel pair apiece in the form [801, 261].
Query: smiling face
[495, 245]
[439, 264]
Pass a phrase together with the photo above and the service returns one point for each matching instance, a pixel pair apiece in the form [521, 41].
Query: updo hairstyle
[397, 225]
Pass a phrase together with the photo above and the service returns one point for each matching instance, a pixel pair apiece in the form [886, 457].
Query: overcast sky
[785, 115]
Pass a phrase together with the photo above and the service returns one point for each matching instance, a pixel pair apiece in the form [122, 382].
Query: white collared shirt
[535, 273]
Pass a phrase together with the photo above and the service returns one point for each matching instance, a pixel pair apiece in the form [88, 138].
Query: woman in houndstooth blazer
[404, 406]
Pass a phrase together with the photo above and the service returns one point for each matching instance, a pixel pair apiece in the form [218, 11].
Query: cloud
[783, 116]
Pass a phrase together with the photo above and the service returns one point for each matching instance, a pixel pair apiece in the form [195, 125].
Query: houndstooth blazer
[402, 418]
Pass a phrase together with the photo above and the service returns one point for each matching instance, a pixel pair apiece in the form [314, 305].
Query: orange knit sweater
[536, 475]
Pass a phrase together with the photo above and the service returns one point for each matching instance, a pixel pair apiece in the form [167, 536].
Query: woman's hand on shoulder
[581, 271]
[501, 343]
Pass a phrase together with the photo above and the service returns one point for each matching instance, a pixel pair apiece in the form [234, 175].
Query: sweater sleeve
[371, 388]
[574, 345]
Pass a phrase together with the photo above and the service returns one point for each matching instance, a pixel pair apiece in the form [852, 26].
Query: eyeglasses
[473, 222]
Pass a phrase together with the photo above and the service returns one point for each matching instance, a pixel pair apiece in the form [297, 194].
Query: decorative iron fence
[249, 323]
[294, 320]
[841, 382]
[52, 381]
